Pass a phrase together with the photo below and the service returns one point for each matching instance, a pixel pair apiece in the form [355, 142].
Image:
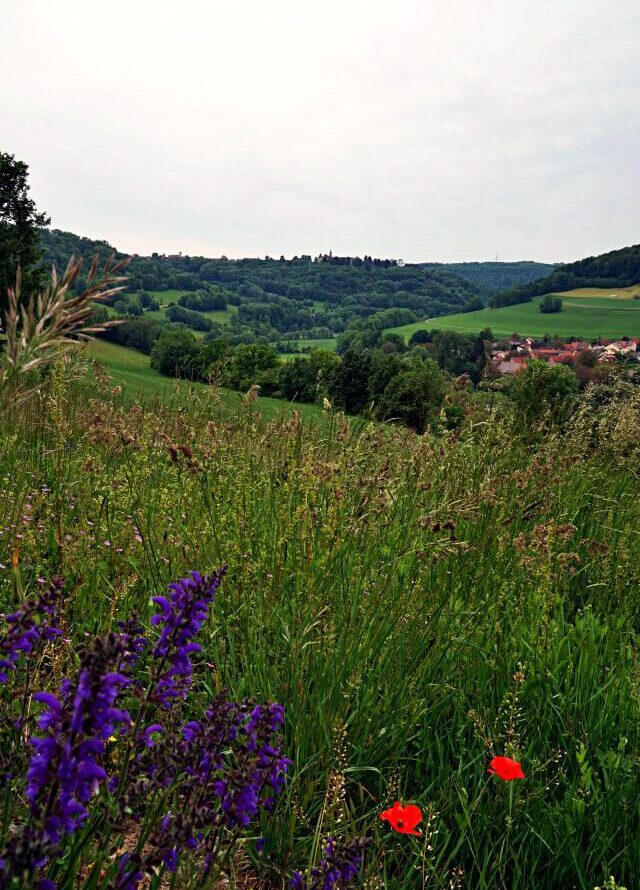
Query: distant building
[511, 360]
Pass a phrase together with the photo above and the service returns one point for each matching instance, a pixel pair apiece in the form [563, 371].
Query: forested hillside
[496, 276]
[288, 298]
[618, 268]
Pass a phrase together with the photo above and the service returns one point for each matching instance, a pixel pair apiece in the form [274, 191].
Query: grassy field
[131, 369]
[418, 605]
[328, 345]
[588, 313]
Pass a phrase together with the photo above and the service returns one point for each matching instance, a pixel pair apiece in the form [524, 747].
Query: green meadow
[131, 370]
[588, 313]
[418, 604]
[326, 345]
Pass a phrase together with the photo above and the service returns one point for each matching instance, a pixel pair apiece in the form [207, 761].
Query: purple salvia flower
[149, 732]
[25, 853]
[66, 770]
[25, 633]
[182, 615]
[230, 766]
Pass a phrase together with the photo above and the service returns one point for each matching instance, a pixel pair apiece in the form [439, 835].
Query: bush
[543, 394]
[550, 304]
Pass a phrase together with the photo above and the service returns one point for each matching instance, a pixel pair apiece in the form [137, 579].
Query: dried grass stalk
[39, 329]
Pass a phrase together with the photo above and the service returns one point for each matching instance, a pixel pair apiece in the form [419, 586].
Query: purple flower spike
[182, 615]
[68, 757]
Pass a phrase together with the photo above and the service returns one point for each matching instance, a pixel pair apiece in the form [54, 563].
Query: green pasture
[131, 369]
[588, 314]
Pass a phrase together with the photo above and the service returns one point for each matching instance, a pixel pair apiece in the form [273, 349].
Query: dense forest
[618, 268]
[496, 276]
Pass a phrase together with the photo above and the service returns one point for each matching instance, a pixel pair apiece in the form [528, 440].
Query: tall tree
[20, 222]
[415, 395]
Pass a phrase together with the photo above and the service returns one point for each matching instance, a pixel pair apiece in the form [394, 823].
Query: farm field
[131, 369]
[588, 313]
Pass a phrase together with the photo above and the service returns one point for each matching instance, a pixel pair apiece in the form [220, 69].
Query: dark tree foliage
[307, 379]
[137, 333]
[459, 354]
[349, 386]
[383, 367]
[193, 320]
[175, 353]
[204, 300]
[246, 364]
[550, 304]
[20, 224]
[543, 393]
[419, 337]
[414, 395]
[368, 333]
[146, 301]
[473, 305]
[496, 276]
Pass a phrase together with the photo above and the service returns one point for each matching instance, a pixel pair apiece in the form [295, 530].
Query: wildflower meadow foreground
[115, 768]
[258, 655]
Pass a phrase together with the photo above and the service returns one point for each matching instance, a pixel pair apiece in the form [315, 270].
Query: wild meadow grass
[417, 605]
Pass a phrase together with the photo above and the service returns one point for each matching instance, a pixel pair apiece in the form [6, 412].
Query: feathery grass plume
[39, 328]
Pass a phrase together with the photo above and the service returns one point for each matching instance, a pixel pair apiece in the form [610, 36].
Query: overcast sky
[422, 129]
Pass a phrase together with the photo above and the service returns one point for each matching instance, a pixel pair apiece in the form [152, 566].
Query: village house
[511, 358]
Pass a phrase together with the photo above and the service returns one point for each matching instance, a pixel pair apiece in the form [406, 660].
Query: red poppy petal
[506, 768]
[412, 815]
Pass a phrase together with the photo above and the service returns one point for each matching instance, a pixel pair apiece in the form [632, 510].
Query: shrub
[550, 304]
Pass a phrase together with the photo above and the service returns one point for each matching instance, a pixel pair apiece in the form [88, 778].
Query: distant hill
[496, 276]
[286, 299]
[618, 268]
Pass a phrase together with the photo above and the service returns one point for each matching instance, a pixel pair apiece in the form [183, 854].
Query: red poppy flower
[505, 768]
[403, 819]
